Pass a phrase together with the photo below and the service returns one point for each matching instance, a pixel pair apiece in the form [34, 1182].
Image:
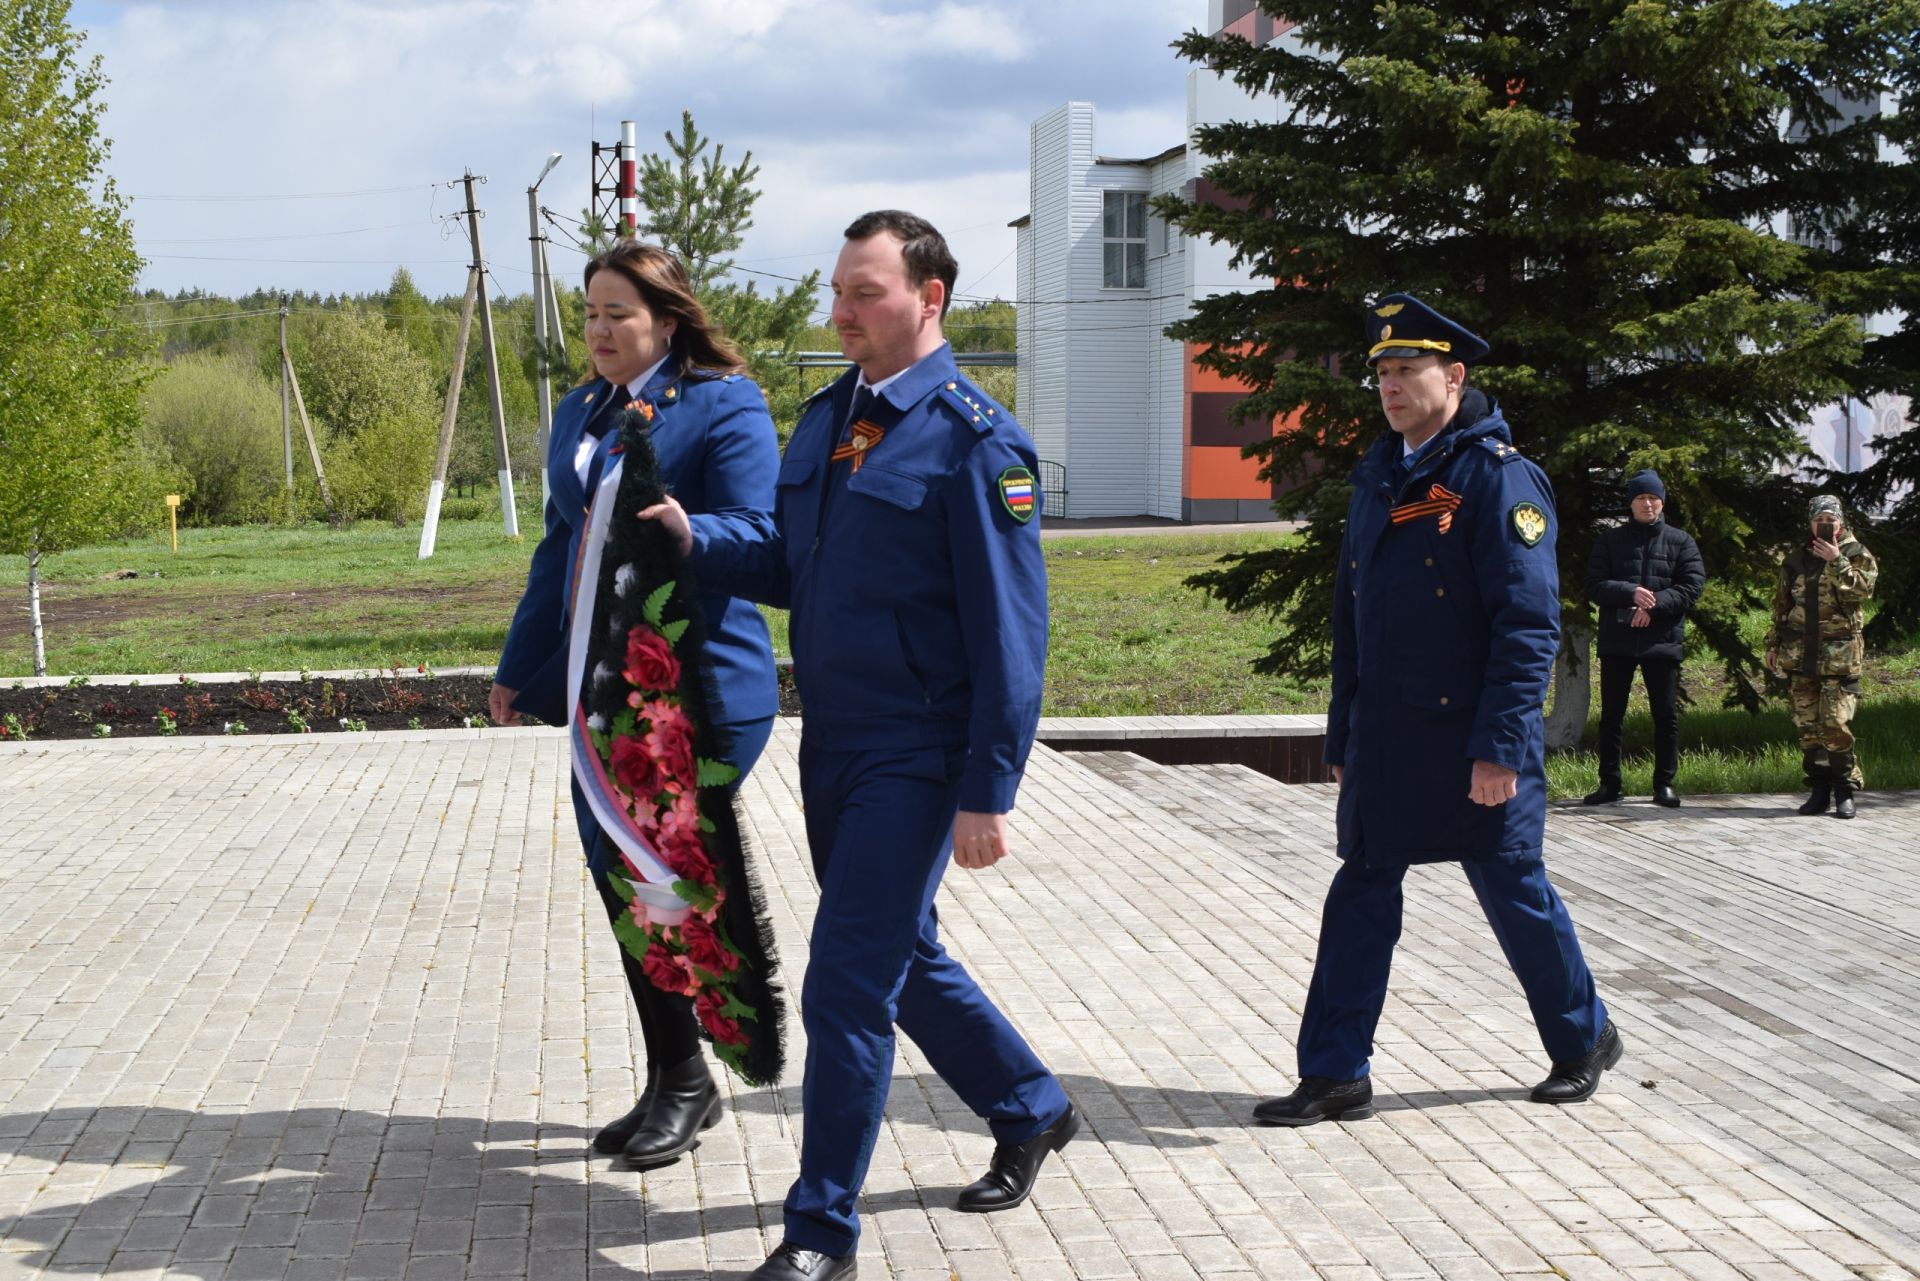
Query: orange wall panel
[1217, 471]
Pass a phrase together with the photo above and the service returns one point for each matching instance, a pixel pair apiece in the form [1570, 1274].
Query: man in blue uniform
[908, 549]
[1446, 620]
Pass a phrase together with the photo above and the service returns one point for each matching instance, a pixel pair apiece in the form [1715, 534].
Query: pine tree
[69, 373]
[1591, 187]
[697, 207]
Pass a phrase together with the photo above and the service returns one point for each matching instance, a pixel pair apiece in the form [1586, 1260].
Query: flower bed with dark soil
[403, 699]
[163, 706]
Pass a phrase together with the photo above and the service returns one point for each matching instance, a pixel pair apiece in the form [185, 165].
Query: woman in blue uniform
[652, 344]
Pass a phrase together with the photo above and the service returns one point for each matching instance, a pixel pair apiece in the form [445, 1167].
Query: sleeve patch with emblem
[1529, 522]
[1017, 493]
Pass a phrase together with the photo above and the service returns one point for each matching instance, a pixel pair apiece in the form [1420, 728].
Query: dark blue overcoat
[718, 450]
[1444, 640]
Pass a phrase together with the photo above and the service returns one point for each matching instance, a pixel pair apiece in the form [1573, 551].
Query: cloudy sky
[236, 122]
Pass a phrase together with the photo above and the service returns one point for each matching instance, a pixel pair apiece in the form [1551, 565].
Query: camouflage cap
[1823, 504]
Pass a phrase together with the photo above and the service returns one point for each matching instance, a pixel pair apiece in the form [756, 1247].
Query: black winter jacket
[1664, 560]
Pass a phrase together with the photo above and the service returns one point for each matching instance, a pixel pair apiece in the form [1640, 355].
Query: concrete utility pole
[493, 366]
[542, 291]
[430, 527]
[286, 410]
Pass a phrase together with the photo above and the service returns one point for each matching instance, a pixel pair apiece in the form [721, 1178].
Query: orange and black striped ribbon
[1440, 501]
[861, 437]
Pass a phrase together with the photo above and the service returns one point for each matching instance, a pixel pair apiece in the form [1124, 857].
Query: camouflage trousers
[1823, 710]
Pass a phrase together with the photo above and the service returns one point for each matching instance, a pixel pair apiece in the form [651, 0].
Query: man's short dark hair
[922, 248]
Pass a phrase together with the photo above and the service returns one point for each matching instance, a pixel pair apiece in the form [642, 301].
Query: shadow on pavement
[230, 1192]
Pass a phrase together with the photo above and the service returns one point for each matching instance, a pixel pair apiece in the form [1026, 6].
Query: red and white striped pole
[629, 198]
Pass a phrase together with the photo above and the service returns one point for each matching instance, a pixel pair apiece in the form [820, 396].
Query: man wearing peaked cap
[1445, 625]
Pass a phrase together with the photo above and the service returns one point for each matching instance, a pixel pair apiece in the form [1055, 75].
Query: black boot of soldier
[1822, 796]
[1842, 783]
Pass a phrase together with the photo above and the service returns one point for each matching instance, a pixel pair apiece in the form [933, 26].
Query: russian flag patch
[1018, 494]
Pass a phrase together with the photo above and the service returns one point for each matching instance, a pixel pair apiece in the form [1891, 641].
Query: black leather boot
[1319, 1098]
[1575, 1081]
[612, 1138]
[1010, 1175]
[1605, 794]
[1818, 800]
[1665, 795]
[1843, 800]
[685, 1102]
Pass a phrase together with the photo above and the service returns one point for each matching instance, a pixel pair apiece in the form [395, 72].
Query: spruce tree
[1592, 187]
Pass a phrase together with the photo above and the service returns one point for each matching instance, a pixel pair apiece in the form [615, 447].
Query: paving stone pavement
[344, 1007]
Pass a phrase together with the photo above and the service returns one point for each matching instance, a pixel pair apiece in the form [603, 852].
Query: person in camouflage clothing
[1818, 611]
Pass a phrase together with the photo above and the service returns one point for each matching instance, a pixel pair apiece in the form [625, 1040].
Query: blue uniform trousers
[667, 1022]
[1361, 924]
[880, 831]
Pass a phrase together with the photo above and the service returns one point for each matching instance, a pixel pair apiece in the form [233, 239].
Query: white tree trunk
[33, 605]
[1572, 686]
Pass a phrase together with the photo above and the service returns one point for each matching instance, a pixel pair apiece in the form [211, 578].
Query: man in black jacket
[1643, 576]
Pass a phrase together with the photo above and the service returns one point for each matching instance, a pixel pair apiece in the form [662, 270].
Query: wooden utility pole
[493, 368]
[313, 449]
[430, 528]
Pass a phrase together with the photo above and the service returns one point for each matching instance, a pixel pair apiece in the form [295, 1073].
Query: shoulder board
[824, 391]
[963, 400]
[729, 378]
[1500, 449]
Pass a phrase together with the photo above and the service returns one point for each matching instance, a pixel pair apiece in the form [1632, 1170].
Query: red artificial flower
[685, 854]
[723, 1029]
[650, 661]
[636, 769]
[668, 972]
[670, 743]
[705, 948]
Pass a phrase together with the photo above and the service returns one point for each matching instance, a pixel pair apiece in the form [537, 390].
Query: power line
[297, 195]
[298, 235]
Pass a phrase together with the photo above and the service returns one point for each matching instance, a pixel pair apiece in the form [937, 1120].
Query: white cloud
[846, 104]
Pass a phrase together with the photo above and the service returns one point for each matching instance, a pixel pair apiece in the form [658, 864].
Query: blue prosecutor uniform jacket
[718, 450]
[1444, 640]
[916, 584]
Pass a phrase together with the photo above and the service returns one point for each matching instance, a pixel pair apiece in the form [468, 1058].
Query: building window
[1125, 232]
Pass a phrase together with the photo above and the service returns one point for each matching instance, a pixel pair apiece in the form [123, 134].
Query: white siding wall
[1042, 274]
[1024, 336]
[1107, 351]
[1165, 358]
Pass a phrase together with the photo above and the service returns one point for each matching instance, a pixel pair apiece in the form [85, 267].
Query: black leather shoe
[1010, 1175]
[1321, 1098]
[685, 1102]
[789, 1262]
[1575, 1081]
[1602, 795]
[1665, 795]
[612, 1138]
[1817, 802]
[1843, 800]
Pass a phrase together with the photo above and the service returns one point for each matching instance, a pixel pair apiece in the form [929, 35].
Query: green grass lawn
[1128, 637]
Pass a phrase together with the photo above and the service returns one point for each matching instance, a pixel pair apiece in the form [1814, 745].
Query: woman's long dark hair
[697, 344]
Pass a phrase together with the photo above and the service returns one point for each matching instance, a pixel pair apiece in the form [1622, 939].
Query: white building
[1137, 427]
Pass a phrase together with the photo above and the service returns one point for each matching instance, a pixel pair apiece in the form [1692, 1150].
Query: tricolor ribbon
[650, 877]
[1440, 501]
[861, 437]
